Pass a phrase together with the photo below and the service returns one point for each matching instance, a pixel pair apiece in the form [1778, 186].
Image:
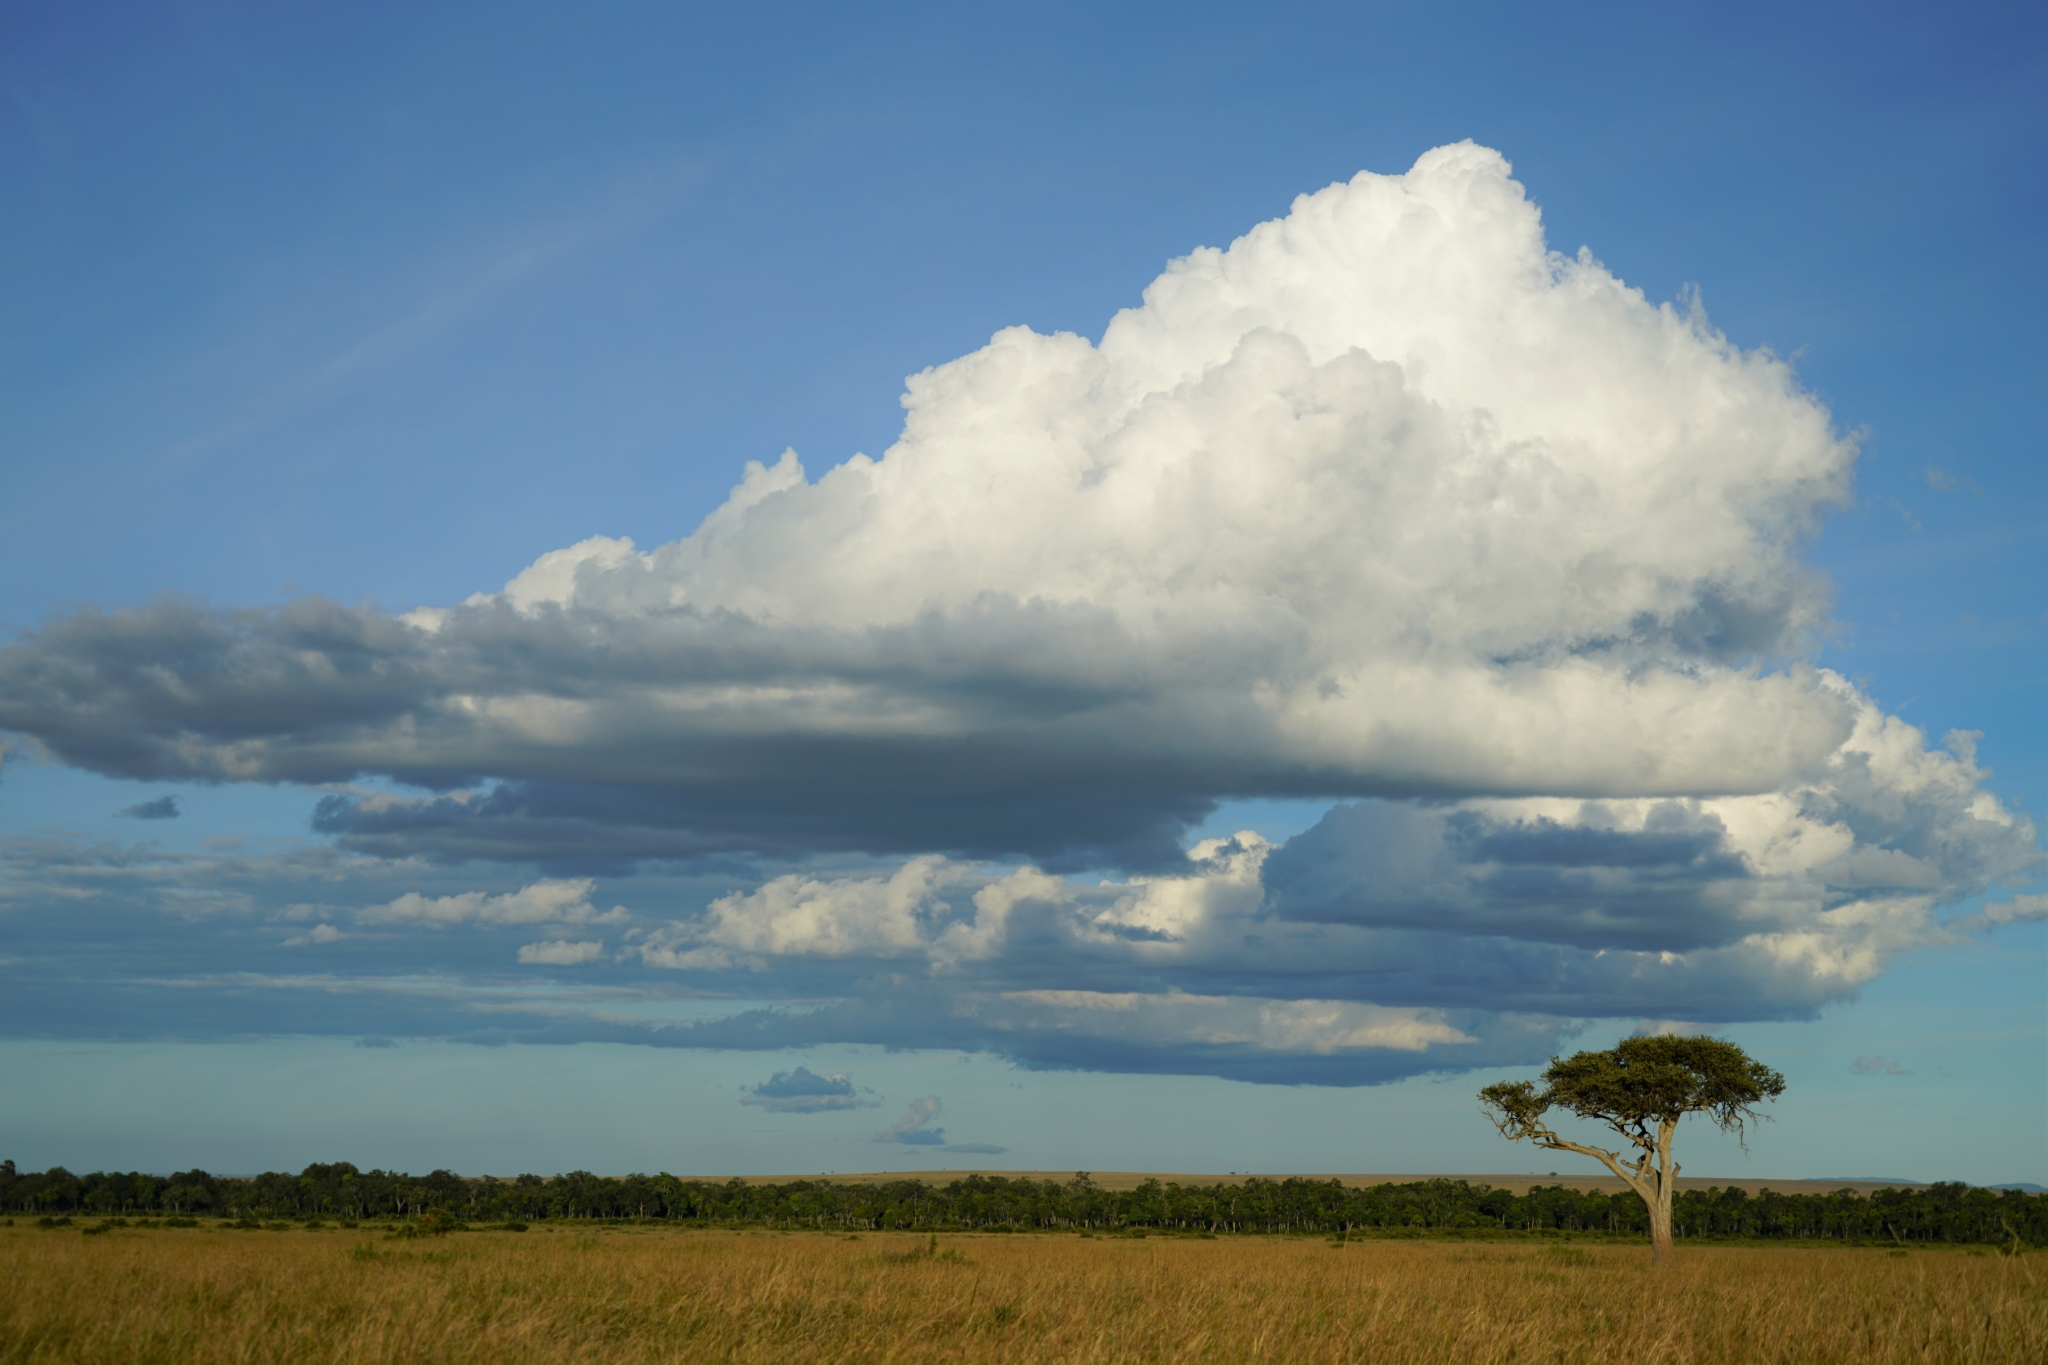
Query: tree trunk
[1661, 1251]
[1665, 1173]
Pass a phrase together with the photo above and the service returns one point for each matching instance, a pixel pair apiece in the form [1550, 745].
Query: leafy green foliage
[1639, 1085]
[434, 1222]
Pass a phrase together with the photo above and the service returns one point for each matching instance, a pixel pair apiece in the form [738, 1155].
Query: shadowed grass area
[135, 1294]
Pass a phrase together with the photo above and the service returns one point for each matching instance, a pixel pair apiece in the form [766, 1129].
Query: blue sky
[1503, 643]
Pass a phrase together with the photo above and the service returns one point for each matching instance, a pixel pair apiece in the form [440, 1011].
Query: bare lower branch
[1544, 1137]
[1633, 1178]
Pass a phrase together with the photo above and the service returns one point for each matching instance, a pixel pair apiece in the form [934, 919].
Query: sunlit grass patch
[641, 1294]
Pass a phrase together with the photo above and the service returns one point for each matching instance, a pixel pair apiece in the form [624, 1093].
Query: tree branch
[1543, 1137]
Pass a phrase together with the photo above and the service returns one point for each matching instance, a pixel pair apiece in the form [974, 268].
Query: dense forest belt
[339, 1191]
[1515, 1183]
[586, 1292]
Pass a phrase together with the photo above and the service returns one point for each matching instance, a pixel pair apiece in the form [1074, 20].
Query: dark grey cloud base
[1010, 729]
[877, 804]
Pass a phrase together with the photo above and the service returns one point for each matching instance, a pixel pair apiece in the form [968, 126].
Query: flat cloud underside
[698, 756]
[828, 804]
[1389, 940]
[1385, 504]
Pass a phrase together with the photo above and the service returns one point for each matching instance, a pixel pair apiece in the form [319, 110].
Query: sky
[793, 588]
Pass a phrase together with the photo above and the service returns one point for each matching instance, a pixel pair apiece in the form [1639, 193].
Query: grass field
[632, 1294]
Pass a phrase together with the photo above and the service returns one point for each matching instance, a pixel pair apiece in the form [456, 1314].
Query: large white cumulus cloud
[1385, 494]
[1387, 500]
[1385, 497]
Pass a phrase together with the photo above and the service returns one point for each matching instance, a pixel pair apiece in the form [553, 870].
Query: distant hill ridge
[2029, 1186]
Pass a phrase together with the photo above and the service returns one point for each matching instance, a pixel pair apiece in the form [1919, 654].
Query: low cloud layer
[556, 952]
[552, 902]
[1386, 504]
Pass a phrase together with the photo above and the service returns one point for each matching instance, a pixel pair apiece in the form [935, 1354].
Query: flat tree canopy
[1641, 1088]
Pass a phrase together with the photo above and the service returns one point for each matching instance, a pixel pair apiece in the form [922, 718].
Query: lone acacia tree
[1640, 1088]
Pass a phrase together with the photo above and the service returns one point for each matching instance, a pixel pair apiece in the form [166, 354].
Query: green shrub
[432, 1223]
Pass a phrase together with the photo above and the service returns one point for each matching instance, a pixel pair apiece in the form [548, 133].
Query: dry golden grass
[655, 1294]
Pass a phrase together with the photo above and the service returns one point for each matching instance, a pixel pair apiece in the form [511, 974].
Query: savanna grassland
[648, 1294]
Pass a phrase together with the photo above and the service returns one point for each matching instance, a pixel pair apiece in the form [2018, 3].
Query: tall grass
[646, 1295]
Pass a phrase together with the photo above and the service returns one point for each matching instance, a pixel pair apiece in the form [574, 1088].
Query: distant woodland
[1952, 1213]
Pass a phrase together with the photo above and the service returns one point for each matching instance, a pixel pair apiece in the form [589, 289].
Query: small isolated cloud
[319, 933]
[545, 902]
[1942, 481]
[804, 1091]
[163, 808]
[910, 1130]
[976, 1148]
[1876, 1066]
[555, 952]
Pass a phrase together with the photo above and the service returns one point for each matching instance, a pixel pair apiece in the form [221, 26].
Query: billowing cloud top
[1385, 501]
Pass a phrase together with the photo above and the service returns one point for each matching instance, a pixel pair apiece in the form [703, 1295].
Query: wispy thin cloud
[1943, 481]
[1876, 1066]
[914, 1128]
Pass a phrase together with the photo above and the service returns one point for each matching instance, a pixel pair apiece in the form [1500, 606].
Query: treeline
[1937, 1213]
